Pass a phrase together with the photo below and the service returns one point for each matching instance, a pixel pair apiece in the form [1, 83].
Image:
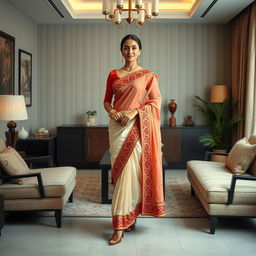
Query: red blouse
[112, 77]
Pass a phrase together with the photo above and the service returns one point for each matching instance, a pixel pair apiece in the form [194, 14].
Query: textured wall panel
[74, 62]
[15, 23]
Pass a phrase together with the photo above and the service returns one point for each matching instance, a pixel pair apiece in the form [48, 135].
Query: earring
[122, 59]
[138, 60]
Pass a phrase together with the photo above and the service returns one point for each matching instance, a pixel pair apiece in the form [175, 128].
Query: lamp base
[11, 125]
[11, 138]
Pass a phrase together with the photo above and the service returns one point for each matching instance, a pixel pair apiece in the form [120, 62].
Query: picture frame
[7, 60]
[25, 76]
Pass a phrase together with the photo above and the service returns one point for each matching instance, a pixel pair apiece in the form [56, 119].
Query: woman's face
[130, 50]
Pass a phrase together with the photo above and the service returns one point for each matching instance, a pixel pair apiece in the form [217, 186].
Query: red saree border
[121, 222]
[156, 210]
[125, 151]
[124, 81]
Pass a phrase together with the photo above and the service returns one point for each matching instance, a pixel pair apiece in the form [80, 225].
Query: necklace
[129, 70]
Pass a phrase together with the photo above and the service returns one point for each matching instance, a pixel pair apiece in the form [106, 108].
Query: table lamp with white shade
[12, 108]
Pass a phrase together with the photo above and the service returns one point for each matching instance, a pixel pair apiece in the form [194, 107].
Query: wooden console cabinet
[83, 146]
[181, 144]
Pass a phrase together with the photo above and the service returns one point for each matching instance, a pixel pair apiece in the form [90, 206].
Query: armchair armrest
[233, 185]
[209, 153]
[39, 180]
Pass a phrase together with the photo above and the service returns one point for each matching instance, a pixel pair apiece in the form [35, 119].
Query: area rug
[87, 199]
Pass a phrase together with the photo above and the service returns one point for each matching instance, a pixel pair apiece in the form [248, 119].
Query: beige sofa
[222, 193]
[46, 189]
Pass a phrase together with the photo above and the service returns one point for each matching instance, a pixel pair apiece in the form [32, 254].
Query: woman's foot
[132, 227]
[116, 237]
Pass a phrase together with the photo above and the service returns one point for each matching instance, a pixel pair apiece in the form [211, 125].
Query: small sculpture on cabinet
[189, 121]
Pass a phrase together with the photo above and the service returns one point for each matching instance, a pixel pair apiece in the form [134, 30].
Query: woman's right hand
[115, 115]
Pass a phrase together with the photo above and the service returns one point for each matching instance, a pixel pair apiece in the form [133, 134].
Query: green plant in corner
[91, 113]
[220, 123]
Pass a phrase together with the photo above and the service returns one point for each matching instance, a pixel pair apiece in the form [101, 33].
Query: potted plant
[220, 124]
[91, 117]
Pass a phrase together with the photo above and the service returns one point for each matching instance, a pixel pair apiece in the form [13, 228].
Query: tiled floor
[34, 236]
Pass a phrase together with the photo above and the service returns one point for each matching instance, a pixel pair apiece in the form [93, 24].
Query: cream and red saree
[136, 150]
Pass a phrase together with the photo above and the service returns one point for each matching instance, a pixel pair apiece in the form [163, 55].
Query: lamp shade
[12, 107]
[218, 93]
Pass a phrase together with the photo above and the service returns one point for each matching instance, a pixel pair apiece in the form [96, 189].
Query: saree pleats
[126, 201]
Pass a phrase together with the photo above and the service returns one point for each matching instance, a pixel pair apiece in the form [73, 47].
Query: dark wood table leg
[104, 186]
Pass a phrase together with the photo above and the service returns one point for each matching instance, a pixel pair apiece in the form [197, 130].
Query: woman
[135, 141]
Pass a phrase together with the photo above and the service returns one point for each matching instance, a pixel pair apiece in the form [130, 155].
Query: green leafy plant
[220, 123]
[91, 113]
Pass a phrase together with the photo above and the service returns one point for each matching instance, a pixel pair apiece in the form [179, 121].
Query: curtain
[250, 107]
[239, 50]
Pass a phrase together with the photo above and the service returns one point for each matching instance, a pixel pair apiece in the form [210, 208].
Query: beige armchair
[45, 189]
[222, 188]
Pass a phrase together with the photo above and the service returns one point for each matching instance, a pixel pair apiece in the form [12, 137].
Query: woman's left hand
[128, 116]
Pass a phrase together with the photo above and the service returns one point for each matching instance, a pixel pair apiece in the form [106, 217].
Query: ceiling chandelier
[113, 11]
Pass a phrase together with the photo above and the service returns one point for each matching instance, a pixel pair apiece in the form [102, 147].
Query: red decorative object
[172, 108]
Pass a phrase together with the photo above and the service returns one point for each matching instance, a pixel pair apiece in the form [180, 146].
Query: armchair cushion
[56, 181]
[213, 179]
[252, 167]
[13, 164]
[240, 156]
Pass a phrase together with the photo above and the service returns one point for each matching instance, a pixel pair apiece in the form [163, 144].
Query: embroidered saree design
[136, 150]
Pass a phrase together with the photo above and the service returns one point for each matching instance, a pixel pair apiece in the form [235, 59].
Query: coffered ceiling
[90, 11]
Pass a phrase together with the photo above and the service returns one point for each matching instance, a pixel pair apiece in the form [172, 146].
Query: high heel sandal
[115, 240]
[131, 228]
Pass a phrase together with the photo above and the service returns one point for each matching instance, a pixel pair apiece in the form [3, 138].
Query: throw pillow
[252, 167]
[2, 145]
[240, 156]
[13, 164]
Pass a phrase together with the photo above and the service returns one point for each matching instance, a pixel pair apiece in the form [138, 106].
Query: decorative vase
[172, 107]
[23, 134]
[90, 120]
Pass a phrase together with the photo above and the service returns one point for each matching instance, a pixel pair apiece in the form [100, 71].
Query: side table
[30, 160]
[38, 148]
[1, 213]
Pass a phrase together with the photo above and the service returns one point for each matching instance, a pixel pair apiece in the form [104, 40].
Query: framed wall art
[7, 54]
[25, 76]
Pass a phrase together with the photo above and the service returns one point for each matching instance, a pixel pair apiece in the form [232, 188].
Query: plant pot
[218, 158]
[90, 121]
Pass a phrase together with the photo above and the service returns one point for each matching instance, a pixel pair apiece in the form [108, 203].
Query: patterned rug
[87, 199]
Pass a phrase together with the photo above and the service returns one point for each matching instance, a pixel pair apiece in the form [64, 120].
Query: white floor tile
[38, 236]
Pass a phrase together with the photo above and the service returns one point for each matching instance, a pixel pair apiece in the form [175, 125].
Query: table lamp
[12, 107]
[218, 93]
